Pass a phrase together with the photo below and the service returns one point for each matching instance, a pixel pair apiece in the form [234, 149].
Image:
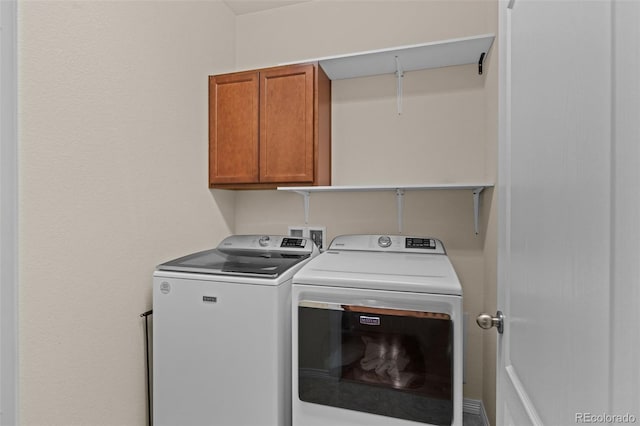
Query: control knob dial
[384, 241]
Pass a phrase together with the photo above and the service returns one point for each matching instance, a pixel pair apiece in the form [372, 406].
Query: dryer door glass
[389, 362]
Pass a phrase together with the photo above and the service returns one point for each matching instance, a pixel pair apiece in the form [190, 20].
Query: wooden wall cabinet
[270, 127]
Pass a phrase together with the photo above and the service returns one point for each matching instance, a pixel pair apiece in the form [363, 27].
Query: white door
[569, 212]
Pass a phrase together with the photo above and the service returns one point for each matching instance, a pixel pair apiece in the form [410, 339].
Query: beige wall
[447, 133]
[113, 172]
[113, 169]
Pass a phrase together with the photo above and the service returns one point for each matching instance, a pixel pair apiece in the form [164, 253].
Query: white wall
[445, 134]
[8, 215]
[113, 180]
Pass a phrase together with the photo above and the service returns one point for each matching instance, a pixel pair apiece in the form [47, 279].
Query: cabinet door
[233, 128]
[286, 124]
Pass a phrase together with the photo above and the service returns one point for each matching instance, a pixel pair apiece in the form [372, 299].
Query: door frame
[8, 214]
[624, 334]
[504, 204]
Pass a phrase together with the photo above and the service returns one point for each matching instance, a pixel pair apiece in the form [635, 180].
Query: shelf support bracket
[476, 206]
[399, 77]
[481, 63]
[305, 197]
[400, 204]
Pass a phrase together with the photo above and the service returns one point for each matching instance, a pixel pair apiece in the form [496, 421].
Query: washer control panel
[420, 243]
[281, 243]
[293, 242]
[395, 243]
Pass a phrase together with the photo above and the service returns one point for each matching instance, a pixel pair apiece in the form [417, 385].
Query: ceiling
[241, 7]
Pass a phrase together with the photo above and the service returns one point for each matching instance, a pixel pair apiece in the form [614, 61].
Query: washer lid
[391, 271]
[246, 255]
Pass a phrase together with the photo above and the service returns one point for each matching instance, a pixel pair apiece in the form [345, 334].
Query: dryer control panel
[420, 243]
[394, 243]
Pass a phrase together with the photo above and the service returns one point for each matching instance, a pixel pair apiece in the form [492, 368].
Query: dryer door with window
[391, 362]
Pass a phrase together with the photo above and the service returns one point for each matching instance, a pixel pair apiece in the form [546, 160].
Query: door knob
[486, 321]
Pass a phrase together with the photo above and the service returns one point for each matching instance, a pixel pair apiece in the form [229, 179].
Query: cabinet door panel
[286, 124]
[233, 128]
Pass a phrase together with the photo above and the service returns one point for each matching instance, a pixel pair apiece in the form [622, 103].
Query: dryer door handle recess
[486, 321]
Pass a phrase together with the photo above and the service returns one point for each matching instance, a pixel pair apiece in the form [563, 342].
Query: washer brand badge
[369, 320]
[209, 299]
[165, 287]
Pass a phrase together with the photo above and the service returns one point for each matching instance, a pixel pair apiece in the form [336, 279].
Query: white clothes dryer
[222, 333]
[377, 335]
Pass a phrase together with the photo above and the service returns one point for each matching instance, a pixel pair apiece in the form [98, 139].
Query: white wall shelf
[443, 53]
[398, 60]
[475, 188]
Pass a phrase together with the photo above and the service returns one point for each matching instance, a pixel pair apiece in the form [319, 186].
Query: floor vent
[475, 409]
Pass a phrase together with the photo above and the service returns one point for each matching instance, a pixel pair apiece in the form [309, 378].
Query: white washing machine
[377, 335]
[222, 333]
